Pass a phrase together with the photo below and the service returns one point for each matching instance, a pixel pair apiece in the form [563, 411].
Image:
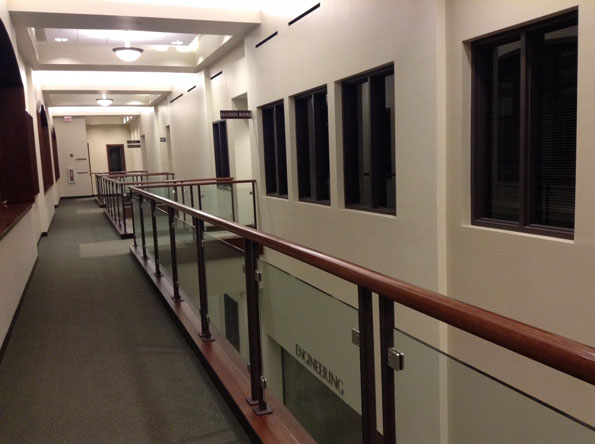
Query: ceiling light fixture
[126, 53]
[177, 42]
[61, 39]
[104, 101]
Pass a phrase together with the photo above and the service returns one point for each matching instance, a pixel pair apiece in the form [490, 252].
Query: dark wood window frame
[275, 154]
[380, 153]
[312, 144]
[122, 152]
[55, 154]
[19, 180]
[528, 140]
[43, 129]
[221, 148]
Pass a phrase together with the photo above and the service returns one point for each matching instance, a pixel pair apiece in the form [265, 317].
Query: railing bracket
[396, 359]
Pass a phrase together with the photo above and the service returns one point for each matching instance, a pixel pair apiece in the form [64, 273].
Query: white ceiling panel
[113, 37]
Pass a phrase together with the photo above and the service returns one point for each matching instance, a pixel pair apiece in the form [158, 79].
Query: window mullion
[276, 149]
[524, 134]
[313, 166]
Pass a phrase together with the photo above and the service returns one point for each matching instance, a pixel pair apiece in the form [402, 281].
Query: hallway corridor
[95, 357]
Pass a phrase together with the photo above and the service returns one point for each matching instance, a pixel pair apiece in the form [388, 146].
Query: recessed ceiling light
[177, 42]
[61, 39]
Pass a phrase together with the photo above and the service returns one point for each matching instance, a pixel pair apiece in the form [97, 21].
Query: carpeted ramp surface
[94, 356]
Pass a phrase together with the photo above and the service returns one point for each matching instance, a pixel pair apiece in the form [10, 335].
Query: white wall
[18, 253]
[72, 152]
[221, 92]
[543, 281]
[18, 248]
[308, 55]
[99, 136]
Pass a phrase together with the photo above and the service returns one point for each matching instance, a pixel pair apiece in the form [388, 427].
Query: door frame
[122, 155]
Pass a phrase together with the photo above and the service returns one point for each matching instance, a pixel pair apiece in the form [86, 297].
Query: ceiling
[180, 37]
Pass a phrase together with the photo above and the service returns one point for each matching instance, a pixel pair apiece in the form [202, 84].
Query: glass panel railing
[148, 223]
[163, 242]
[217, 199]
[187, 263]
[309, 360]
[244, 204]
[166, 192]
[480, 408]
[226, 289]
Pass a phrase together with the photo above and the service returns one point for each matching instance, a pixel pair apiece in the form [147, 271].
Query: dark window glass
[503, 120]
[311, 113]
[555, 123]
[232, 323]
[275, 164]
[524, 127]
[319, 409]
[221, 149]
[369, 141]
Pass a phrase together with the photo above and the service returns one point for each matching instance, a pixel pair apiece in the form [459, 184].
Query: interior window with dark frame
[524, 127]
[311, 118]
[221, 149]
[275, 165]
[369, 141]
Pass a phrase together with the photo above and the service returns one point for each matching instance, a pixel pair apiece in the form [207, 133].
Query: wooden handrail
[123, 173]
[146, 185]
[563, 354]
[171, 182]
[163, 173]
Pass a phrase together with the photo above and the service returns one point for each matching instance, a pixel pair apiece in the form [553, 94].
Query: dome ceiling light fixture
[104, 101]
[127, 53]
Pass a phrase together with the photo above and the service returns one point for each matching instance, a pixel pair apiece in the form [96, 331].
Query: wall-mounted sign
[162, 139]
[67, 119]
[320, 369]
[71, 175]
[236, 114]
[133, 143]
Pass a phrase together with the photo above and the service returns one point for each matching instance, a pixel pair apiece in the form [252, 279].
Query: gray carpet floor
[94, 356]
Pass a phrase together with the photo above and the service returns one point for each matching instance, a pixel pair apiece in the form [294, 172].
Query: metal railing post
[257, 380]
[366, 362]
[174, 256]
[142, 226]
[254, 204]
[199, 197]
[387, 374]
[132, 217]
[199, 227]
[155, 242]
[233, 210]
[123, 207]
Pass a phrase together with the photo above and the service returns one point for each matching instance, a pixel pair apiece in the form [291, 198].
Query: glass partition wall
[306, 351]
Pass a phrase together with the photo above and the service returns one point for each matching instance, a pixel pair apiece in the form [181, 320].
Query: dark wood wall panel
[17, 172]
[55, 154]
[45, 149]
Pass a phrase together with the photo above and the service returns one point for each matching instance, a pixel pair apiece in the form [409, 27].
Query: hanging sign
[236, 114]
